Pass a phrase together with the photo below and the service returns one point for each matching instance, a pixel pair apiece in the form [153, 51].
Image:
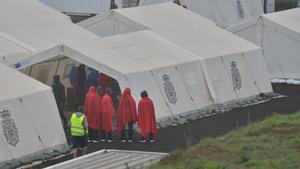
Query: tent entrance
[76, 84]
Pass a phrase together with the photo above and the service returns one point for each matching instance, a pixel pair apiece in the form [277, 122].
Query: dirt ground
[180, 137]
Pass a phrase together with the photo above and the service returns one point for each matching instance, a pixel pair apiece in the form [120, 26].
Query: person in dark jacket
[80, 85]
[59, 93]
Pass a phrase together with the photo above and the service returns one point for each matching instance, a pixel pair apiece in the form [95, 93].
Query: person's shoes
[110, 141]
[129, 141]
[95, 141]
[89, 140]
[151, 141]
[142, 141]
[102, 140]
[123, 141]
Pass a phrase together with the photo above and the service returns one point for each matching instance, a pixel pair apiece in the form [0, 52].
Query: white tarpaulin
[279, 35]
[29, 116]
[231, 67]
[225, 12]
[79, 6]
[183, 66]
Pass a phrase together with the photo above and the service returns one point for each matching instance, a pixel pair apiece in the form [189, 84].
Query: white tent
[30, 120]
[85, 7]
[39, 33]
[225, 12]
[217, 66]
[151, 2]
[172, 75]
[79, 6]
[231, 67]
[279, 35]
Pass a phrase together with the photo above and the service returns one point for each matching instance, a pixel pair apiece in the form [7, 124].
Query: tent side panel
[220, 79]
[251, 33]
[25, 138]
[284, 51]
[174, 90]
[45, 117]
[195, 83]
[103, 28]
[110, 24]
[258, 67]
[144, 81]
[241, 77]
[5, 153]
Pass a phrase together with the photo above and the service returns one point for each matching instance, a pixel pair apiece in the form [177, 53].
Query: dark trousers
[130, 132]
[103, 135]
[60, 107]
[93, 134]
[150, 137]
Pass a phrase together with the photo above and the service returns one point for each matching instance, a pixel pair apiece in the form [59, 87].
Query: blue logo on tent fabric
[240, 9]
[18, 65]
[10, 130]
[236, 76]
[169, 89]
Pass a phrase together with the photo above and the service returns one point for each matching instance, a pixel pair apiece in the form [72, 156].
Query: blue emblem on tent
[18, 65]
[236, 76]
[169, 89]
[10, 130]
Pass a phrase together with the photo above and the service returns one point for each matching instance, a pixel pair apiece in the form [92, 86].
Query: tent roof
[288, 18]
[10, 51]
[15, 84]
[188, 30]
[112, 159]
[40, 28]
[148, 49]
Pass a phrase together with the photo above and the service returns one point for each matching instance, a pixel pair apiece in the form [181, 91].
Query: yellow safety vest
[77, 129]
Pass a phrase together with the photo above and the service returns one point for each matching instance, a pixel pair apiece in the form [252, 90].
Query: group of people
[96, 118]
[99, 111]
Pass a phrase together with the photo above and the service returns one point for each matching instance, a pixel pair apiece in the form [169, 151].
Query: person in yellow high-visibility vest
[79, 131]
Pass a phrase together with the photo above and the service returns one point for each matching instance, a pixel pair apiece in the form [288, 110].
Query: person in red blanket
[146, 118]
[100, 93]
[127, 115]
[108, 114]
[91, 112]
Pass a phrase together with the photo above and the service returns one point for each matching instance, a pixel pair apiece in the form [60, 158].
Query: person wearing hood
[146, 118]
[59, 94]
[100, 94]
[108, 114]
[127, 115]
[92, 114]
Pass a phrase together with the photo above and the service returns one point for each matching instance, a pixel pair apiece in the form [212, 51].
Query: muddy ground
[180, 137]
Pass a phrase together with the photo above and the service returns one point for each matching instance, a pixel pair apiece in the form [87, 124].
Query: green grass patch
[271, 144]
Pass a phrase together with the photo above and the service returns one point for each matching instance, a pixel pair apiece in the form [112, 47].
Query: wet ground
[180, 137]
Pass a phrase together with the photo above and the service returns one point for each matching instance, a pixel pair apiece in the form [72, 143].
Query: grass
[271, 144]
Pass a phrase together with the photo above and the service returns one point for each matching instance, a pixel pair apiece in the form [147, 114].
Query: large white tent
[224, 61]
[78, 7]
[279, 36]
[233, 68]
[225, 12]
[30, 120]
[40, 32]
